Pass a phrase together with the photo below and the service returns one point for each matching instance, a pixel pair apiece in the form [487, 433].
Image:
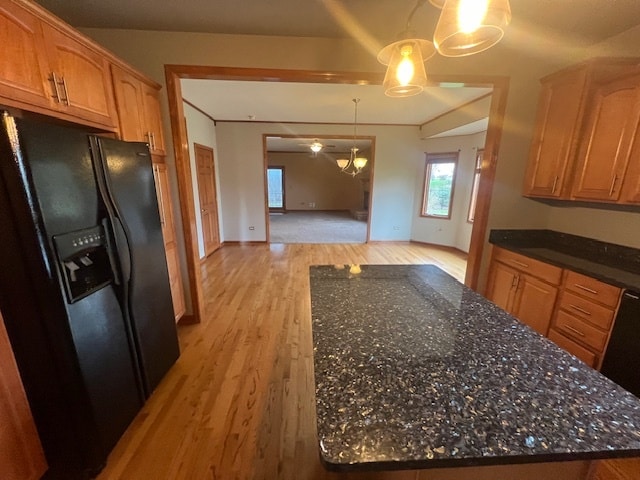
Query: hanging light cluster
[354, 164]
[465, 27]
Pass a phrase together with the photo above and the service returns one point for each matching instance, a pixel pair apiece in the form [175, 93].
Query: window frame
[284, 198]
[436, 158]
[475, 186]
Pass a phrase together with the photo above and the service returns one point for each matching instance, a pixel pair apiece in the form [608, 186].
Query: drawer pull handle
[582, 287]
[574, 330]
[523, 265]
[581, 310]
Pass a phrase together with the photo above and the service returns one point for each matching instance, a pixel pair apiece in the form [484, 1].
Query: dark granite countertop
[614, 264]
[415, 370]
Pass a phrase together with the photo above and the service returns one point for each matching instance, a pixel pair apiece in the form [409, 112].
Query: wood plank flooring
[239, 403]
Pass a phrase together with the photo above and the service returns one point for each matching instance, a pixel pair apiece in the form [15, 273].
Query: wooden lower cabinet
[21, 456]
[163, 191]
[584, 317]
[574, 311]
[523, 287]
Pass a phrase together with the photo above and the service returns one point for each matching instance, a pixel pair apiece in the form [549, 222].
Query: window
[474, 187]
[439, 179]
[275, 188]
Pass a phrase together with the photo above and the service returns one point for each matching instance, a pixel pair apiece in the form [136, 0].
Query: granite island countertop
[614, 264]
[414, 370]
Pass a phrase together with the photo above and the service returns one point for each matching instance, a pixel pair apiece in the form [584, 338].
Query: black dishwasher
[622, 359]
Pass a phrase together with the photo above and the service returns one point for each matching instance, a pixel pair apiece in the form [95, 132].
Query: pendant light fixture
[465, 27]
[354, 164]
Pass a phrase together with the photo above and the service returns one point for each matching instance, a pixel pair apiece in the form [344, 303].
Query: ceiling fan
[314, 146]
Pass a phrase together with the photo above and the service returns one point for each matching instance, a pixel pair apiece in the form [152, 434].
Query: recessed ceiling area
[291, 102]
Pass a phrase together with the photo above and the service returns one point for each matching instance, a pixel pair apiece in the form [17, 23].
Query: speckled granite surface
[611, 263]
[414, 370]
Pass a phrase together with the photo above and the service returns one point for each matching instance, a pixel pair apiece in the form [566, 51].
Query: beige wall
[454, 231]
[316, 183]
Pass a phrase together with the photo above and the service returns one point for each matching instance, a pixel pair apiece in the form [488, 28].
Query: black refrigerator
[84, 288]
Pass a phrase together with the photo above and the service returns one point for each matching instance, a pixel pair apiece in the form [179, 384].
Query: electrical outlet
[252, 227]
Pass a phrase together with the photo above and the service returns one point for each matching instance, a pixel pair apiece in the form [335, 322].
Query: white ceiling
[287, 102]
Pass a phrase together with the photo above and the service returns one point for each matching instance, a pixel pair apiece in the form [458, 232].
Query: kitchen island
[413, 370]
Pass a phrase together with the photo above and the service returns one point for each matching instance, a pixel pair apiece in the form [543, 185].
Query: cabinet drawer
[589, 311]
[591, 288]
[580, 331]
[573, 348]
[544, 271]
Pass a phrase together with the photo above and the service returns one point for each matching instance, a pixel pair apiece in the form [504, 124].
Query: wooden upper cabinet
[574, 127]
[152, 119]
[557, 127]
[24, 72]
[21, 456]
[49, 68]
[138, 109]
[611, 127]
[83, 82]
[128, 99]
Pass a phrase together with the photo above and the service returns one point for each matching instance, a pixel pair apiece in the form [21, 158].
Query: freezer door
[130, 191]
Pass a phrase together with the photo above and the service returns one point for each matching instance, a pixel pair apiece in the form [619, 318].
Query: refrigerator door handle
[109, 235]
[122, 245]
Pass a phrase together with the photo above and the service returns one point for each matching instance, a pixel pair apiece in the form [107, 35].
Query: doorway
[208, 198]
[173, 74]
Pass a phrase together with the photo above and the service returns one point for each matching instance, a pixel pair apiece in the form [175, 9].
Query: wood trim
[185, 192]
[487, 179]
[279, 122]
[448, 112]
[195, 107]
[243, 243]
[443, 247]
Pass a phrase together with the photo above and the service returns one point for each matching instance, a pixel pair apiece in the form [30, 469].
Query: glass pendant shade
[342, 163]
[466, 27]
[359, 162]
[405, 59]
[315, 147]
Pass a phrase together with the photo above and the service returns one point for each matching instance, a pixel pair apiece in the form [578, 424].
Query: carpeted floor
[316, 227]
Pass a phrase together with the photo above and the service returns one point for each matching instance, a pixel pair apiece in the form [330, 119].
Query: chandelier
[354, 164]
[465, 27]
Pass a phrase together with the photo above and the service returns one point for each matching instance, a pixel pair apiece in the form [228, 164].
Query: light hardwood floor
[239, 403]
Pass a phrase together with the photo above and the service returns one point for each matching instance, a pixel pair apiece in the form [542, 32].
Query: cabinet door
[164, 202]
[611, 128]
[83, 78]
[501, 285]
[152, 118]
[163, 192]
[631, 184]
[534, 303]
[24, 72]
[557, 126]
[128, 103]
[175, 280]
[21, 456]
